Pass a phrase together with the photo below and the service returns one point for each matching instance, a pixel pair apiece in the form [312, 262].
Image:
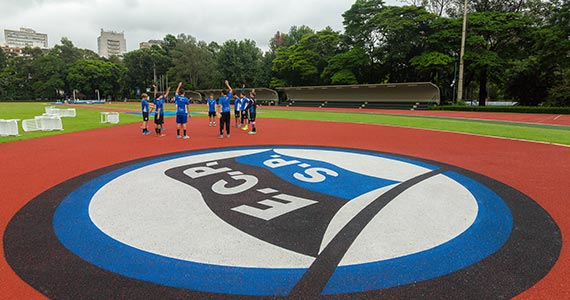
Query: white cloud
[141, 20]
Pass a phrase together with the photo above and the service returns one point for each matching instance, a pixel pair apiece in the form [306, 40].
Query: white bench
[43, 123]
[9, 127]
[110, 117]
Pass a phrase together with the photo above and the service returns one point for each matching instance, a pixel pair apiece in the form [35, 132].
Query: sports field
[542, 128]
[320, 204]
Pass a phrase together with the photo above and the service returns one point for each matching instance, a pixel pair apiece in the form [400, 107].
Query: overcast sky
[141, 20]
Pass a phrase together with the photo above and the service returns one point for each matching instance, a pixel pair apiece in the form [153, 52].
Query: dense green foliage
[515, 50]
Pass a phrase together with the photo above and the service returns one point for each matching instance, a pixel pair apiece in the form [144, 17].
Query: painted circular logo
[282, 222]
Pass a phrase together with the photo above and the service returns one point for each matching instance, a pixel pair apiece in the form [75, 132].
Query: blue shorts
[181, 118]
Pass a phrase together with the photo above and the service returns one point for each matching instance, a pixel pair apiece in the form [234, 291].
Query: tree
[88, 75]
[361, 32]
[49, 77]
[194, 63]
[67, 54]
[494, 38]
[347, 67]
[240, 62]
[142, 66]
[297, 33]
[3, 60]
[304, 63]
[403, 34]
[437, 7]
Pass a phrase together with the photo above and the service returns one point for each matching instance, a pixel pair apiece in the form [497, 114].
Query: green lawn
[531, 132]
[86, 119]
[89, 119]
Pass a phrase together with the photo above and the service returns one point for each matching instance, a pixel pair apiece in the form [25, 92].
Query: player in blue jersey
[159, 111]
[212, 110]
[237, 109]
[182, 108]
[145, 113]
[244, 109]
[252, 105]
[225, 110]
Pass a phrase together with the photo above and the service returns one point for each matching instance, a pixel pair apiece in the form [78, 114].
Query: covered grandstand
[419, 95]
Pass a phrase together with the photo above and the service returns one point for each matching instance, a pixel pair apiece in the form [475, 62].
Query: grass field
[89, 119]
[86, 119]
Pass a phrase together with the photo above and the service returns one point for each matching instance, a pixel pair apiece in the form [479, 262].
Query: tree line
[515, 50]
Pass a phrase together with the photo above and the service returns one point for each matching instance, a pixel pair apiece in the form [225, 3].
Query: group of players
[245, 111]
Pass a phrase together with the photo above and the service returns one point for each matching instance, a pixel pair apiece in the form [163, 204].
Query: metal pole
[461, 62]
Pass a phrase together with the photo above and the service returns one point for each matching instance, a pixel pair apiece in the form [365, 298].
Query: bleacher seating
[355, 104]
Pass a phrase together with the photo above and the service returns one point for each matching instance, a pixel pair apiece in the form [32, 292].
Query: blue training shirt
[159, 104]
[244, 102]
[252, 106]
[237, 104]
[211, 105]
[145, 106]
[181, 103]
[225, 103]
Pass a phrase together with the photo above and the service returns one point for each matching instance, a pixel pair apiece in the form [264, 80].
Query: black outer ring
[36, 255]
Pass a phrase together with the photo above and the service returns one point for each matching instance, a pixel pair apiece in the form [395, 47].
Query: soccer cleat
[186, 137]
[228, 136]
[221, 136]
[252, 132]
[245, 128]
[178, 137]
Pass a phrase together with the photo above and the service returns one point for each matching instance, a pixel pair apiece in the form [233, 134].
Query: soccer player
[225, 110]
[212, 110]
[252, 111]
[237, 109]
[244, 109]
[159, 111]
[145, 112]
[182, 108]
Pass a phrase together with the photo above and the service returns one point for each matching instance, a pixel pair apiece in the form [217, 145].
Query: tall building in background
[25, 37]
[149, 44]
[111, 43]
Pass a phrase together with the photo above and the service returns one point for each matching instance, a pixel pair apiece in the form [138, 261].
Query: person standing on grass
[159, 111]
[145, 113]
[225, 110]
[212, 110]
[182, 109]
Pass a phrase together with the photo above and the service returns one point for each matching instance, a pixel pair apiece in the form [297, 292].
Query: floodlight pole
[461, 61]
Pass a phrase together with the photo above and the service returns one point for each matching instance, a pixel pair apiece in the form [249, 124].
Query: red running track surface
[539, 170]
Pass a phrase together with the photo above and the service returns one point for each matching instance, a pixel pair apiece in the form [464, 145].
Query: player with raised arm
[225, 110]
[159, 111]
[182, 108]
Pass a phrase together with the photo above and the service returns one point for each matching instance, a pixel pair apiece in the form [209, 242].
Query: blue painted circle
[76, 231]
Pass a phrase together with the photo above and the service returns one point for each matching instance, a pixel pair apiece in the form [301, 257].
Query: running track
[539, 170]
